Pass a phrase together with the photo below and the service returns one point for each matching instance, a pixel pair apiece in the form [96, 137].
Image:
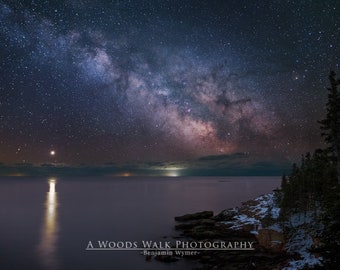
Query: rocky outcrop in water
[255, 222]
[195, 216]
[243, 224]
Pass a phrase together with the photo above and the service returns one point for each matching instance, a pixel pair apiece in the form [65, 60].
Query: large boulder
[271, 240]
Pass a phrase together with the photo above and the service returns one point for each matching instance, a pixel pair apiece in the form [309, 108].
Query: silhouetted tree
[331, 132]
[331, 125]
[312, 186]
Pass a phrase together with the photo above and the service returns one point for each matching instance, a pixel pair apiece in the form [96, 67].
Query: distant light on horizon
[52, 153]
[173, 171]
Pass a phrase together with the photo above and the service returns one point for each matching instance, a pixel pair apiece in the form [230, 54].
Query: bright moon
[52, 153]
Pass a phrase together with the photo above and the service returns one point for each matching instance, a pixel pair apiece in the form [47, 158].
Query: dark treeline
[314, 185]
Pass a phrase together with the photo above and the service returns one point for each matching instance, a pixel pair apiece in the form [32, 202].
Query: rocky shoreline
[228, 226]
[254, 221]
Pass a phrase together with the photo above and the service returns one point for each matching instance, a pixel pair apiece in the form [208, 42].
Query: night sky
[138, 81]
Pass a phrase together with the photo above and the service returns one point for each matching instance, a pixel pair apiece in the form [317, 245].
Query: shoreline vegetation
[295, 227]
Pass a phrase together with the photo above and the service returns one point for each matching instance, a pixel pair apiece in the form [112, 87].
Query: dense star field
[124, 81]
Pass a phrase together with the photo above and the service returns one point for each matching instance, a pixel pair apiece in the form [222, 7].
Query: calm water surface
[46, 223]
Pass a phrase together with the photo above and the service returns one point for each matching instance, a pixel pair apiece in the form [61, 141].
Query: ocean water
[47, 223]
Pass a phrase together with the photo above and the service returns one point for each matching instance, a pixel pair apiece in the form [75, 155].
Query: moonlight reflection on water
[49, 235]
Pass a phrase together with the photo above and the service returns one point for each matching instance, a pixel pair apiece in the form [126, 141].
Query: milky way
[117, 81]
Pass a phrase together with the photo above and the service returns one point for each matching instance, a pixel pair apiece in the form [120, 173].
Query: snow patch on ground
[266, 206]
[299, 219]
[300, 242]
[242, 220]
[252, 214]
[275, 227]
[303, 225]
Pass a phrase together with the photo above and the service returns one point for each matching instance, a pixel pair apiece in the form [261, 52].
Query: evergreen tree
[312, 186]
[331, 125]
[314, 178]
[331, 205]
